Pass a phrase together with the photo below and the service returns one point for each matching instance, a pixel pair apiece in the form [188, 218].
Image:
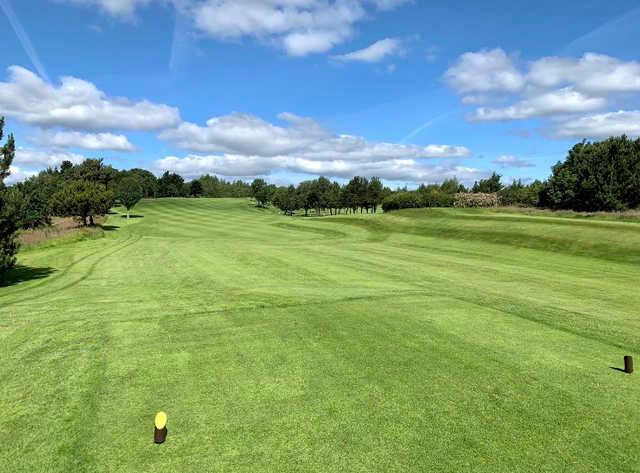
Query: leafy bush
[518, 194]
[401, 200]
[479, 200]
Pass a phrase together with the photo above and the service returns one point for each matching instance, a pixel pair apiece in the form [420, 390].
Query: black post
[628, 364]
[159, 435]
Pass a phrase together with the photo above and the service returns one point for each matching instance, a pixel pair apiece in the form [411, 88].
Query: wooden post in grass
[628, 364]
[160, 427]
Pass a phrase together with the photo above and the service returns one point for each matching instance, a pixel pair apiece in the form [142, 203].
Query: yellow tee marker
[160, 431]
[161, 420]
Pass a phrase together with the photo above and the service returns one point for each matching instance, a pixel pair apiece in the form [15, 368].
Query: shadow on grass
[109, 228]
[617, 369]
[132, 216]
[24, 273]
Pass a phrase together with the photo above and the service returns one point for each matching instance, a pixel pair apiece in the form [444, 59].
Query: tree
[10, 206]
[286, 199]
[195, 188]
[489, 185]
[94, 170]
[36, 209]
[129, 192]
[520, 194]
[260, 192]
[356, 192]
[306, 196]
[147, 180]
[333, 197]
[170, 185]
[375, 192]
[84, 200]
[596, 176]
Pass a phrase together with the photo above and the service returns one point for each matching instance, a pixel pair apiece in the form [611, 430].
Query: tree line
[321, 195]
[595, 176]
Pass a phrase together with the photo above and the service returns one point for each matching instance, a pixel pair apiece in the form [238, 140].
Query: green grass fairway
[421, 341]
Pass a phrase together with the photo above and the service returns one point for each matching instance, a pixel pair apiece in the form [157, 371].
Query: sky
[410, 91]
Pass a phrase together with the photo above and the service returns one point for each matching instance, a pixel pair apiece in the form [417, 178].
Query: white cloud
[123, 9]
[558, 88]
[484, 71]
[389, 4]
[375, 52]
[407, 170]
[601, 125]
[592, 73]
[310, 42]
[18, 175]
[77, 104]
[546, 104]
[300, 27]
[90, 141]
[41, 158]
[301, 137]
[247, 146]
[512, 162]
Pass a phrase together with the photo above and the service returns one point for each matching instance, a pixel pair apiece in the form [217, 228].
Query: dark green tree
[195, 188]
[129, 192]
[260, 191]
[147, 180]
[488, 186]
[375, 193]
[170, 185]
[10, 206]
[84, 200]
[596, 176]
[286, 199]
[94, 170]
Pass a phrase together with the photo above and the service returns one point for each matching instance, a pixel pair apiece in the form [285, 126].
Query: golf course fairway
[424, 340]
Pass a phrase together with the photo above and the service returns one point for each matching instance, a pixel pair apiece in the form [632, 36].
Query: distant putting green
[420, 341]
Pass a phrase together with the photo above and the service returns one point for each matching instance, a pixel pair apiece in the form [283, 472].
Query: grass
[426, 340]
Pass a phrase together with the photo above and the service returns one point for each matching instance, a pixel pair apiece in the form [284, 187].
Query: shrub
[401, 200]
[478, 200]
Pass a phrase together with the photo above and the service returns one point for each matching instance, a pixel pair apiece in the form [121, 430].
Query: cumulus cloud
[592, 73]
[484, 71]
[90, 141]
[546, 104]
[301, 137]
[300, 27]
[77, 104]
[512, 162]
[42, 158]
[373, 53]
[123, 9]
[241, 145]
[561, 89]
[407, 170]
[601, 125]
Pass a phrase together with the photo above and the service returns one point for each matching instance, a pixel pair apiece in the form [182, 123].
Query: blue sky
[412, 91]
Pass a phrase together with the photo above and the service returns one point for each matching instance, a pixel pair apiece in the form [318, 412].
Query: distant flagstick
[23, 37]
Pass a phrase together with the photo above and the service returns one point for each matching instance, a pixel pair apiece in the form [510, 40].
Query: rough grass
[424, 340]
